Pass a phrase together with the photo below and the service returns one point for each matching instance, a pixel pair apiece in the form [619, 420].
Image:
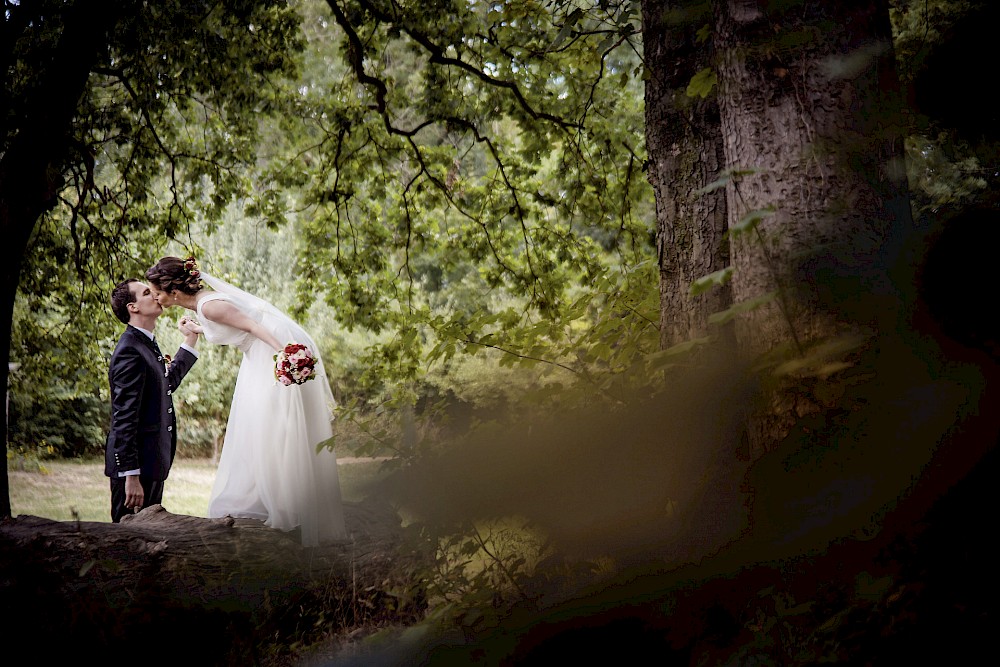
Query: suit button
[159, 358]
[169, 410]
[168, 392]
[170, 428]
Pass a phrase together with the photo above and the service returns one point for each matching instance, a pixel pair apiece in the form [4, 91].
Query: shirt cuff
[129, 473]
[190, 349]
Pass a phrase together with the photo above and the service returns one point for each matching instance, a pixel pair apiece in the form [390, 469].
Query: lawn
[65, 490]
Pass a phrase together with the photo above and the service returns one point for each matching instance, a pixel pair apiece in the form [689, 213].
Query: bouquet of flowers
[295, 364]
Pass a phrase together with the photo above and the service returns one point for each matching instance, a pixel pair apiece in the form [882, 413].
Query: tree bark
[31, 168]
[684, 143]
[809, 105]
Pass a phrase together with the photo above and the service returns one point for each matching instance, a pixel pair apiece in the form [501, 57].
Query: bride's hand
[189, 326]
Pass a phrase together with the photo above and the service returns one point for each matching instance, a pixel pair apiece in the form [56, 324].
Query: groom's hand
[134, 495]
[189, 326]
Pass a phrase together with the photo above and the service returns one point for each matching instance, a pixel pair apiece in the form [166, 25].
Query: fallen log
[179, 588]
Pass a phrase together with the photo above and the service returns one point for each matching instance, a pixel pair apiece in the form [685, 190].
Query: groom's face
[145, 303]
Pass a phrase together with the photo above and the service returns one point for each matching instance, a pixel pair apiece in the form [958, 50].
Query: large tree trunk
[31, 168]
[684, 142]
[809, 105]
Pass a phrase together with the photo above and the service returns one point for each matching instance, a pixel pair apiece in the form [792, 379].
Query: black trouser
[152, 490]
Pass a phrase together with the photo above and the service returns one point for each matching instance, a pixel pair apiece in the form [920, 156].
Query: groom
[143, 437]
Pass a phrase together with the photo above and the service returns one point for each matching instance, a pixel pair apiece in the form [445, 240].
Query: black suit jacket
[143, 432]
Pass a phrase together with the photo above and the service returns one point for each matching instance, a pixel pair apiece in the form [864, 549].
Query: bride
[270, 468]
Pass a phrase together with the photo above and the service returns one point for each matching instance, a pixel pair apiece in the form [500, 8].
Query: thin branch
[496, 559]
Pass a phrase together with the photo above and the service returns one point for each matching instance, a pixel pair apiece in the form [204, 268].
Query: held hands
[189, 326]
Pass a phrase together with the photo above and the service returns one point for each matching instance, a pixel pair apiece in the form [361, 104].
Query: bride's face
[162, 298]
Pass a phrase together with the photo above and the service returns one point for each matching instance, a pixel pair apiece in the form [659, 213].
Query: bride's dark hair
[173, 273]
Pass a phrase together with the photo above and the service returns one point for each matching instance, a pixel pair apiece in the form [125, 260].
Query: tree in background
[466, 178]
[456, 201]
[97, 101]
[799, 177]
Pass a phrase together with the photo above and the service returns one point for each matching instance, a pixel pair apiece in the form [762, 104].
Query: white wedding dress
[270, 468]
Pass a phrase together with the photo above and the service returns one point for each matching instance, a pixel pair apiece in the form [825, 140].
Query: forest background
[481, 223]
[420, 328]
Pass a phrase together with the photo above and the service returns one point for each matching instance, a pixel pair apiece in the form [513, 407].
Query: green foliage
[61, 340]
[450, 196]
[945, 170]
[57, 424]
[918, 25]
[168, 123]
[166, 132]
[479, 569]
[442, 201]
[447, 202]
[676, 354]
[825, 358]
[437, 158]
[943, 173]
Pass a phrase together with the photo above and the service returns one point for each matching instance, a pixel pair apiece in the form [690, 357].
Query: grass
[67, 490]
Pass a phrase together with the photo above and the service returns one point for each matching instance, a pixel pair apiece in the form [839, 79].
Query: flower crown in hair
[191, 266]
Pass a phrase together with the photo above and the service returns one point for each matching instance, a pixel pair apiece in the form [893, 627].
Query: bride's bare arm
[226, 313]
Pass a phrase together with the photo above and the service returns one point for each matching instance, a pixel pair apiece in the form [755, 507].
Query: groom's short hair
[121, 297]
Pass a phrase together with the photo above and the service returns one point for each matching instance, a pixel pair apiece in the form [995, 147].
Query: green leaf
[714, 185]
[726, 176]
[567, 27]
[702, 83]
[606, 43]
[823, 360]
[750, 221]
[743, 307]
[671, 354]
[711, 281]
[601, 351]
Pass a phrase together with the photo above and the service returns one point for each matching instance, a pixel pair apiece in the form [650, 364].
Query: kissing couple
[270, 468]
